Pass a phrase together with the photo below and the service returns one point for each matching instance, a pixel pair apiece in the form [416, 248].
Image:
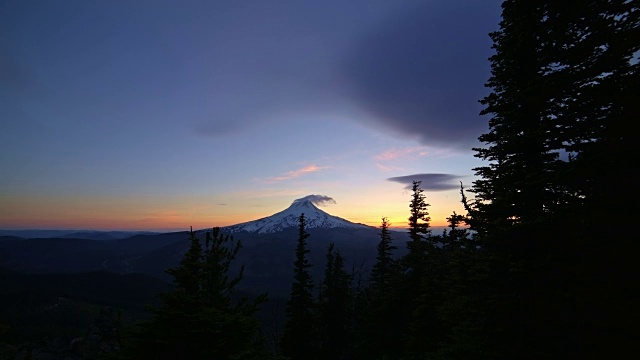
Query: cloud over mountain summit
[319, 200]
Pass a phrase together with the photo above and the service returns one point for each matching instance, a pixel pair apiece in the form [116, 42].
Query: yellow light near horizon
[177, 212]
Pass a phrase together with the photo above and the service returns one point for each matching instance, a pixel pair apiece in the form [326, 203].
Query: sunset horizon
[164, 116]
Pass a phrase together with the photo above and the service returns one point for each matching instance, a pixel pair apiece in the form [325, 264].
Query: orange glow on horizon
[174, 212]
[169, 221]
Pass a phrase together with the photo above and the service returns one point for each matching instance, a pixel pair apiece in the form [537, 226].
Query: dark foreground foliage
[199, 319]
[541, 276]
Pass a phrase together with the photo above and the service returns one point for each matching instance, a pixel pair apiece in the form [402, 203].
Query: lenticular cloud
[319, 200]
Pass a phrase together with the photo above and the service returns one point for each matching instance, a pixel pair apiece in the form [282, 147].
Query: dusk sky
[160, 115]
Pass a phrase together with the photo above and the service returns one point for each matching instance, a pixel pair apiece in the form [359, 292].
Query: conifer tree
[384, 270]
[562, 81]
[455, 236]
[380, 332]
[199, 319]
[297, 342]
[514, 188]
[462, 312]
[559, 158]
[515, 193]
[334, 309]
[424, 268]
[418, 230]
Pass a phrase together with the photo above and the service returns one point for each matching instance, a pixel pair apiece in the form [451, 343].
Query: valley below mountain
[267, 252]
[54, 287]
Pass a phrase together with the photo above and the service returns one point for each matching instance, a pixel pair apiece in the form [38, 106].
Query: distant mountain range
[267, 253]
[73, 234]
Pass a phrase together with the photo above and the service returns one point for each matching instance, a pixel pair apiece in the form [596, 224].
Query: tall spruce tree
[454, 236]
[515, 192]
[297, 339]
[418, 229]
[514, 187]
[424, 268]
[384, 271]
[558, 155]
[562, 81]
[462, 312]
[380, 333]
[199, 319]
[333, 320]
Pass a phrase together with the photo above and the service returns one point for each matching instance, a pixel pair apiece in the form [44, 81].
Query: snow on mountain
[314, 217]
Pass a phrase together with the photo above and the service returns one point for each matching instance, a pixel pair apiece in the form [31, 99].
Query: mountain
[288, 218]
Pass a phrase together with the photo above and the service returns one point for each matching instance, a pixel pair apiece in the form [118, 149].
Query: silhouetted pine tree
[380, 332]
[418, 292]
[199, 319]
[418, 228]
[333, 320]
[425, 329]
[297, 341]
[599, 41]
[461, 312]
[559, 159]
[516, 192]
[385, 269]
[454, 236]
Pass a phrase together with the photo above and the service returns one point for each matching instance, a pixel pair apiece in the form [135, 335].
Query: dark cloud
[430, 182]
[319, 200]
[421, 74]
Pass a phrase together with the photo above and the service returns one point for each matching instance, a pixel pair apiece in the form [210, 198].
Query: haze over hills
[73, 234]
[267, 253]
[80, 271]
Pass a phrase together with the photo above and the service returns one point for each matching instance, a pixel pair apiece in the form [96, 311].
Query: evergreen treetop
[296, 341]
[198, 319]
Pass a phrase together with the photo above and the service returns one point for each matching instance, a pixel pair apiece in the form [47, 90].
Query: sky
[160, 115]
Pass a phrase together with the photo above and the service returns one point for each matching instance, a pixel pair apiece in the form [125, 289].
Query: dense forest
[535, 268]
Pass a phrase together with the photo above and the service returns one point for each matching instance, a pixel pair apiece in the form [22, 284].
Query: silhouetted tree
[333, 323]
[454, 236]
[464, 289]
[380, 332]
[297, 341]
[417, 293]
[199, 319]
[414, 260]
[419, 219]
[384, 271]
[559, 158]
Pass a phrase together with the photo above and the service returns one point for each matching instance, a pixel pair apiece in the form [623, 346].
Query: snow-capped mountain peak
[289, 217]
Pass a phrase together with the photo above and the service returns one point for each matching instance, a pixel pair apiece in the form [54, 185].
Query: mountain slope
[288, 218]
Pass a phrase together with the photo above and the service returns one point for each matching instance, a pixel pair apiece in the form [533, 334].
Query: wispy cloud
[296, 173]
[394, 154]
[388, 168]
[388, 160]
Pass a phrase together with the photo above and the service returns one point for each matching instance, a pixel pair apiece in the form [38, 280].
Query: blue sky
[164, 114]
